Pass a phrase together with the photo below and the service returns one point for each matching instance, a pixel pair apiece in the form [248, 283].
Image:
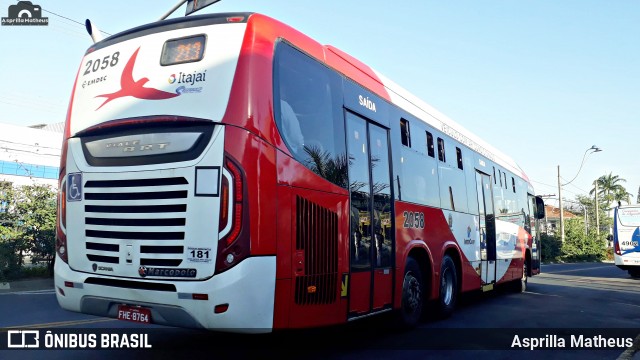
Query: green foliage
[38, 271]
[610, 190]
[580, 247]
[28, 221]
[550, 248]
[609, 254]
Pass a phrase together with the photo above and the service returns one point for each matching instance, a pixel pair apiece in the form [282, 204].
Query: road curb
[26, 285]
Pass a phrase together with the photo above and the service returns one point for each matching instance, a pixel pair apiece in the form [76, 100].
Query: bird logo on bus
[135, 88]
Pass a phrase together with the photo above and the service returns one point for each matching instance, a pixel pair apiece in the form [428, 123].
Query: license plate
[134, 314]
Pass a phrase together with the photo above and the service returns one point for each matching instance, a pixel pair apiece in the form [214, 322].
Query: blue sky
[541, 80]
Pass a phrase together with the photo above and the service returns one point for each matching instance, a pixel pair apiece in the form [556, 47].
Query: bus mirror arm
[539, 208]
[93, 31]
[192, 6]
[171, 11]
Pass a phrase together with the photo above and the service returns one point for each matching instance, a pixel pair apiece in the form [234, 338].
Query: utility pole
[586, 232]
[591, 150]
[560, 205]
[597, 211]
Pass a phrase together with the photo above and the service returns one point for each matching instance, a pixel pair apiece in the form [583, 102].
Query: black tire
[635, 273]
[413, 294]
[448, 291]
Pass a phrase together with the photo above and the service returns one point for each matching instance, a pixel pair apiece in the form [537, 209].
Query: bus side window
[430, 149]
[308, 113]
[441, 155]
[404, 132]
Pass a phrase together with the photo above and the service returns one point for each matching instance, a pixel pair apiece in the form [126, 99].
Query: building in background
[30, 155]
[551, 223]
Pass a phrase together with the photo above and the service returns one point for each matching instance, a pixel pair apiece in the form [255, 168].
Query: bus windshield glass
[629, 216]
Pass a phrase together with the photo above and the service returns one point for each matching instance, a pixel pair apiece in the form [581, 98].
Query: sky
[540, 80]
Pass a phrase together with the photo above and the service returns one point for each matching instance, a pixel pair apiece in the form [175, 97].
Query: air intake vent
[155, 226]
[317, 236]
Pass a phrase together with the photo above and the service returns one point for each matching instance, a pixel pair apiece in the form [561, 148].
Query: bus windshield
[629, 216]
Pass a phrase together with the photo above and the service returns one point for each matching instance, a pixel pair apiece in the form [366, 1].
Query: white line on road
[627, 304]
[60, 324]
[535, 293]
[574, 270]
[33, 292]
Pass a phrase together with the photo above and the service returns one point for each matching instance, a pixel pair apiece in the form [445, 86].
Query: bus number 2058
[413, 220]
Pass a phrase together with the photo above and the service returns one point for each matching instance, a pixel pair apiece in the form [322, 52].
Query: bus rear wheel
[448, 288]
[412, 294]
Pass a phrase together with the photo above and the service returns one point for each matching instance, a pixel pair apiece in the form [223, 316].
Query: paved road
[567, 299]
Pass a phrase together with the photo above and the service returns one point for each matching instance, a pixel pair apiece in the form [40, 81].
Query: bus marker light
[230, 258]
[200, 296]
[68, 284]
[61, 292]
[311, 289]
[235, 19]
[219, 309]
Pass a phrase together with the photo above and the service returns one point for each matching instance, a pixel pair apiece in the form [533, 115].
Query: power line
[66, 18]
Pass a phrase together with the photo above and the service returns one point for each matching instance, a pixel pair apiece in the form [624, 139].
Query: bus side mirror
[539, 208]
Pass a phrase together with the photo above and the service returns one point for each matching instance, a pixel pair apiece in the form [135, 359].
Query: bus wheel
[448, 287]
[412, 294]
[635, 273]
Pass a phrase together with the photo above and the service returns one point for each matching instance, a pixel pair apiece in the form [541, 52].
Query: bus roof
[356, 71]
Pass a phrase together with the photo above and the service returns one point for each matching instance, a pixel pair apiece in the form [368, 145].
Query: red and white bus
[228, 172]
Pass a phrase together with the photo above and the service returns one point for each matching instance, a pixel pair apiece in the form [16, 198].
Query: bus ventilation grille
[317, 236]
[158, 225]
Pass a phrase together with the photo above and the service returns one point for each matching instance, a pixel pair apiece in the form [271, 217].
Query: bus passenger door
[371, 234]
[534, 230]
[487, 230]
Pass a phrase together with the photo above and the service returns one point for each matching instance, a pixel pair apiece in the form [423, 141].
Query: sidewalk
[27, 285]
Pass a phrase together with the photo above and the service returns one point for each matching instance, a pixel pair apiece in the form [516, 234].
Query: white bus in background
[626, 239]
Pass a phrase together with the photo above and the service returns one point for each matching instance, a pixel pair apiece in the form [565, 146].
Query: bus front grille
[146, 215]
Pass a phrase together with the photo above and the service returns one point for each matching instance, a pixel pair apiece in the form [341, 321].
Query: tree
[610, 189]
[28, 217]
[37, 212]
[622, 195]
[10, 242]
[580, 247]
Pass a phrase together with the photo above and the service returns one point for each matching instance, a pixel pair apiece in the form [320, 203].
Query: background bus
[228, 172]
[626, 238]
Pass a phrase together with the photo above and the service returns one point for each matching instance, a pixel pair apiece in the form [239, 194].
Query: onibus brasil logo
[24, 13]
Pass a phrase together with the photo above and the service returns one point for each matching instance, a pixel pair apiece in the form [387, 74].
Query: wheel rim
[446, 287]
[413, 294]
